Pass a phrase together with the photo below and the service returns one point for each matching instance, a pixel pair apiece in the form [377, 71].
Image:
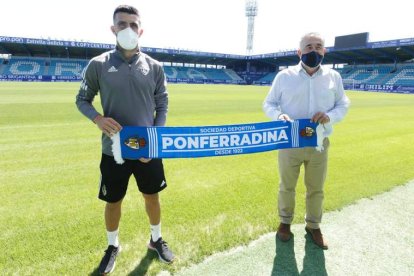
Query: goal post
[349, 84]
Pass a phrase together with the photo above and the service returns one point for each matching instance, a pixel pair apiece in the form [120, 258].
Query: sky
[218, 26]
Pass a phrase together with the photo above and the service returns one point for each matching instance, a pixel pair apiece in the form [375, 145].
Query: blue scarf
[188, 142]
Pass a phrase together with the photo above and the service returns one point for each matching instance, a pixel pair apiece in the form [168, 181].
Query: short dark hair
[126, 9]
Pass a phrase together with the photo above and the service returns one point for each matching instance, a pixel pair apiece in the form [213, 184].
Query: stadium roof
[391, 51]
[18, 46]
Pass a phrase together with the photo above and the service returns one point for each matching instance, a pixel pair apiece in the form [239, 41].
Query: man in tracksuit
[132, 89]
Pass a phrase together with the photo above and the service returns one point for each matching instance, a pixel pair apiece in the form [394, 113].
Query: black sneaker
[164, 253]
[108, 261]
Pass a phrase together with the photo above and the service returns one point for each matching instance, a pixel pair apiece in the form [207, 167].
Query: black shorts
[149, 176]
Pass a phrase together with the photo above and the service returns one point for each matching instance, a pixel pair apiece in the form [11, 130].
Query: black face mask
[312, 59]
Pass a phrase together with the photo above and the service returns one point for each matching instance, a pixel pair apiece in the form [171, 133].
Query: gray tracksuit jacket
[132, 92]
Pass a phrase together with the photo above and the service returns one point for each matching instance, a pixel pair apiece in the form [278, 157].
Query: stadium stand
[201, 75]
[267, 79]
[51, 68]
[383, 74]
[25, 66]
[66, 68]
[380, 66]
[404, 76]
[380, 74]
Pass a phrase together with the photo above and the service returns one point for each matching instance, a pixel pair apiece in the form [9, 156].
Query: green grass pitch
[51, 222]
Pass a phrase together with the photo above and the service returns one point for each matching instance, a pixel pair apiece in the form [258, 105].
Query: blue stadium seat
[24, 66]
[201, 75]
[380, 74]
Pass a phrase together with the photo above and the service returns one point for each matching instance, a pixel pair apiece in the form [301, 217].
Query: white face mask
[127, 39]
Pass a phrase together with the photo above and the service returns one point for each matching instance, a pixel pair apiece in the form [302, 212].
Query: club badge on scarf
[188, 142]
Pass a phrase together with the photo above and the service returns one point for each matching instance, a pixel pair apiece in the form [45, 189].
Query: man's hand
[320, 117]
[107, 125]
[285, 117]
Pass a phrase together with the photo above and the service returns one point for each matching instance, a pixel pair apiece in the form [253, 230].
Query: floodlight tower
[251, 12]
